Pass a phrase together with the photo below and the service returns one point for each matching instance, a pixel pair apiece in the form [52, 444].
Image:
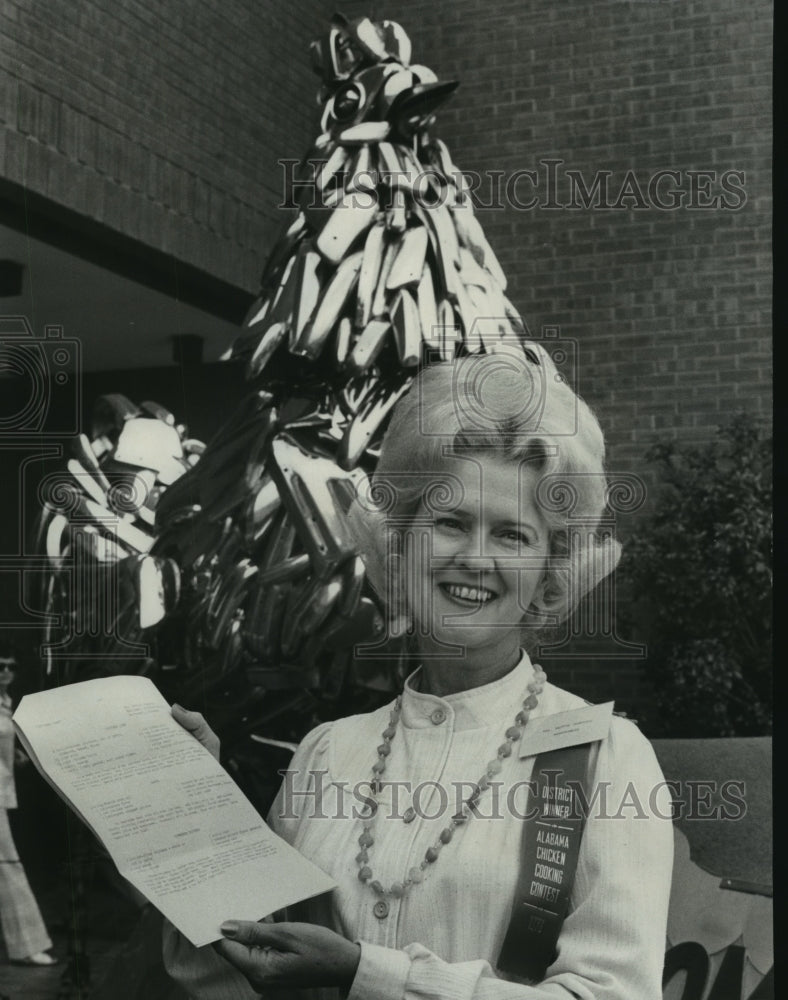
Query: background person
[25, 935]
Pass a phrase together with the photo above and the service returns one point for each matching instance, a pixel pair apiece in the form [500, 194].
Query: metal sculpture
[233, 559]
[227, 571]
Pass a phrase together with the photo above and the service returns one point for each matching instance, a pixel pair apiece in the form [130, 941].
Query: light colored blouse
[441, 940]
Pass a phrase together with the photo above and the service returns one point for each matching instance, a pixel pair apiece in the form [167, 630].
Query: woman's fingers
[289, 954]
[252, 934]
[258, 951]
[194, 723]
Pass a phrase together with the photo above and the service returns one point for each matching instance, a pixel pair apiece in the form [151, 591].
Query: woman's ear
[538, 599]
[544, 611]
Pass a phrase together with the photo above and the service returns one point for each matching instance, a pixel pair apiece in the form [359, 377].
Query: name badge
[566, 729]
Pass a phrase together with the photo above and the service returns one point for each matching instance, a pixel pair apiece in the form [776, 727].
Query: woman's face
[7, 664]
[488, 555]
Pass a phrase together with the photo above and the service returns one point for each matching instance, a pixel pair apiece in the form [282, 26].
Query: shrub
[698, 572]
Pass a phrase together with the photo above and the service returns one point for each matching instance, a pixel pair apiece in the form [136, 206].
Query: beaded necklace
[416, 875]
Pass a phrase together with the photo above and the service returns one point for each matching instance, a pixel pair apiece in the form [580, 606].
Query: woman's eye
[449, 522]
[516, 537]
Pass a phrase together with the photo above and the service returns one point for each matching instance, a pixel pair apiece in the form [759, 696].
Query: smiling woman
[491, 457]
[447, 879]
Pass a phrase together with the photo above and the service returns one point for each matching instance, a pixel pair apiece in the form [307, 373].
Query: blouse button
[438, 716]
[381, 909]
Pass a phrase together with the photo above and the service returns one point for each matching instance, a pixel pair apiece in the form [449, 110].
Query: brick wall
[162, 120]
[670, 309]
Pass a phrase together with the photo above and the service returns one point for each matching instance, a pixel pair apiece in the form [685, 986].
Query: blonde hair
[510, 404]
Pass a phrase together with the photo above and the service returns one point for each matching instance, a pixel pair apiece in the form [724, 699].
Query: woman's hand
[194, 723]
[289, 954]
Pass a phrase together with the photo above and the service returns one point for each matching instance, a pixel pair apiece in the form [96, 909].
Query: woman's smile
[466, 595]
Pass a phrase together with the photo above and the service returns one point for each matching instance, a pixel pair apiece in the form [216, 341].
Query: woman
[26, 937]
[426, 890]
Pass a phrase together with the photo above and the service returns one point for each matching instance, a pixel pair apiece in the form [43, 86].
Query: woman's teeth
[476, 594]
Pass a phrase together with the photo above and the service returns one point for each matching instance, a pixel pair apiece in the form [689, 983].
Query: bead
[416, 874]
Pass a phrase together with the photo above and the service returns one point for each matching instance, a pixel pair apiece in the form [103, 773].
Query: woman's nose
[473, 553]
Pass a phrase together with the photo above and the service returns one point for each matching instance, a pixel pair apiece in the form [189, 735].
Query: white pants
[20, 918]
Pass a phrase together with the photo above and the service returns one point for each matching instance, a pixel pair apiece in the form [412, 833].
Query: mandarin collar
[487, 705]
